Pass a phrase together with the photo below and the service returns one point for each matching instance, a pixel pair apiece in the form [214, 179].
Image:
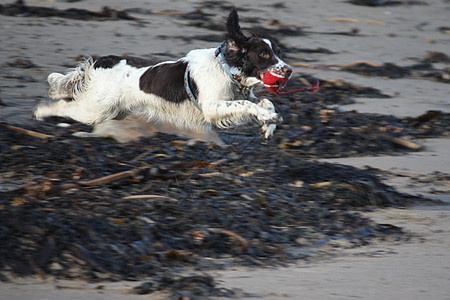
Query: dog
[207, 87]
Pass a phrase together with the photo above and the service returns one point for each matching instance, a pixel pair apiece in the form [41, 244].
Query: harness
[232, 73]
[189, 90]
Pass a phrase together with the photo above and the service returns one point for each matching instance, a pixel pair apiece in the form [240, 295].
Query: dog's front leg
[267, 130]
[225, 113]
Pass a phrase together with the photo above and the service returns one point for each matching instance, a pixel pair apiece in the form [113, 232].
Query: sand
[419, 270]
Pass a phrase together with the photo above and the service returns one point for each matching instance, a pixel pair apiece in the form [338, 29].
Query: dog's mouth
[274, 81]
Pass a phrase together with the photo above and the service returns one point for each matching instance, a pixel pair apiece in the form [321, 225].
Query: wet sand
[419, 270]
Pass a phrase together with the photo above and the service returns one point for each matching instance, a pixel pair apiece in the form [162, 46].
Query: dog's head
[256, 56]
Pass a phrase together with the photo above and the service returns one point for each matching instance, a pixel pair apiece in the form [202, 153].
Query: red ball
[273, 81]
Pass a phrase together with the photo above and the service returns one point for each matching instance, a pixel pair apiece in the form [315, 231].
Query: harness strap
[189, 90]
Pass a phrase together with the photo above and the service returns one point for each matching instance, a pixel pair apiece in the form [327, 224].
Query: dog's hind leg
[76, 110]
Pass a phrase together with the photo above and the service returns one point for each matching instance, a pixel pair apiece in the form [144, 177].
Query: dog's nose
[287, 71]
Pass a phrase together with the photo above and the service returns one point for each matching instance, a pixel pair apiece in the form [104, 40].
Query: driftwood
[354, 64]
[243, 242]
[26, 131]
[344, 20]
[112, 177]
[99, 181]
[394, 140]
[400, 142]
[303, 65]
[169, 13]
[347, 20]
[149, 197]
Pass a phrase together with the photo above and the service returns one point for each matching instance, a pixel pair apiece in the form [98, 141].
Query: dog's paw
[266, 103]
[277, 119]
[267, 131]
[271, 118]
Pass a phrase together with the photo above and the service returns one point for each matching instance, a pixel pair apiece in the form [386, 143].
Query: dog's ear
[235, 37]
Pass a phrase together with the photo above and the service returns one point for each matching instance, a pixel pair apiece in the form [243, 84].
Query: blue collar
[226, 67]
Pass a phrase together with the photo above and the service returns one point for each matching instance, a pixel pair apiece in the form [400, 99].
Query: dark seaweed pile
[250, 202]
[390, 70]
[386, 2]
[20, 8]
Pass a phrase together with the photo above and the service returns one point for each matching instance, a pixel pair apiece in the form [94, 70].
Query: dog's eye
[264, 54]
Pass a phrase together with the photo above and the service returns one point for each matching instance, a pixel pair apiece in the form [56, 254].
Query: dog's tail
[75, 81]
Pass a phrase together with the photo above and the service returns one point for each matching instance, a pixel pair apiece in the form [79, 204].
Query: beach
[327, 39]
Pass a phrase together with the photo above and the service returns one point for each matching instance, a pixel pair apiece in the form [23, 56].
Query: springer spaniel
[206, 87]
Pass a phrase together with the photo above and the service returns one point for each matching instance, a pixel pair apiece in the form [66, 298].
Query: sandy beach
[401, 34]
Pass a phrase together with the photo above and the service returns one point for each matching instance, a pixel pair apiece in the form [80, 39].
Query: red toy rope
[313, 88]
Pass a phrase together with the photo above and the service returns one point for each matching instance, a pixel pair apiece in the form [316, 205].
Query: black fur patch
[167, 81]
[107, 62]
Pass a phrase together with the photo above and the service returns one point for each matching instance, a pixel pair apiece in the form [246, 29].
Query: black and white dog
[206, 87]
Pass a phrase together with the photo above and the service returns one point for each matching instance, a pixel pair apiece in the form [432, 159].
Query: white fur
[97, 95]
